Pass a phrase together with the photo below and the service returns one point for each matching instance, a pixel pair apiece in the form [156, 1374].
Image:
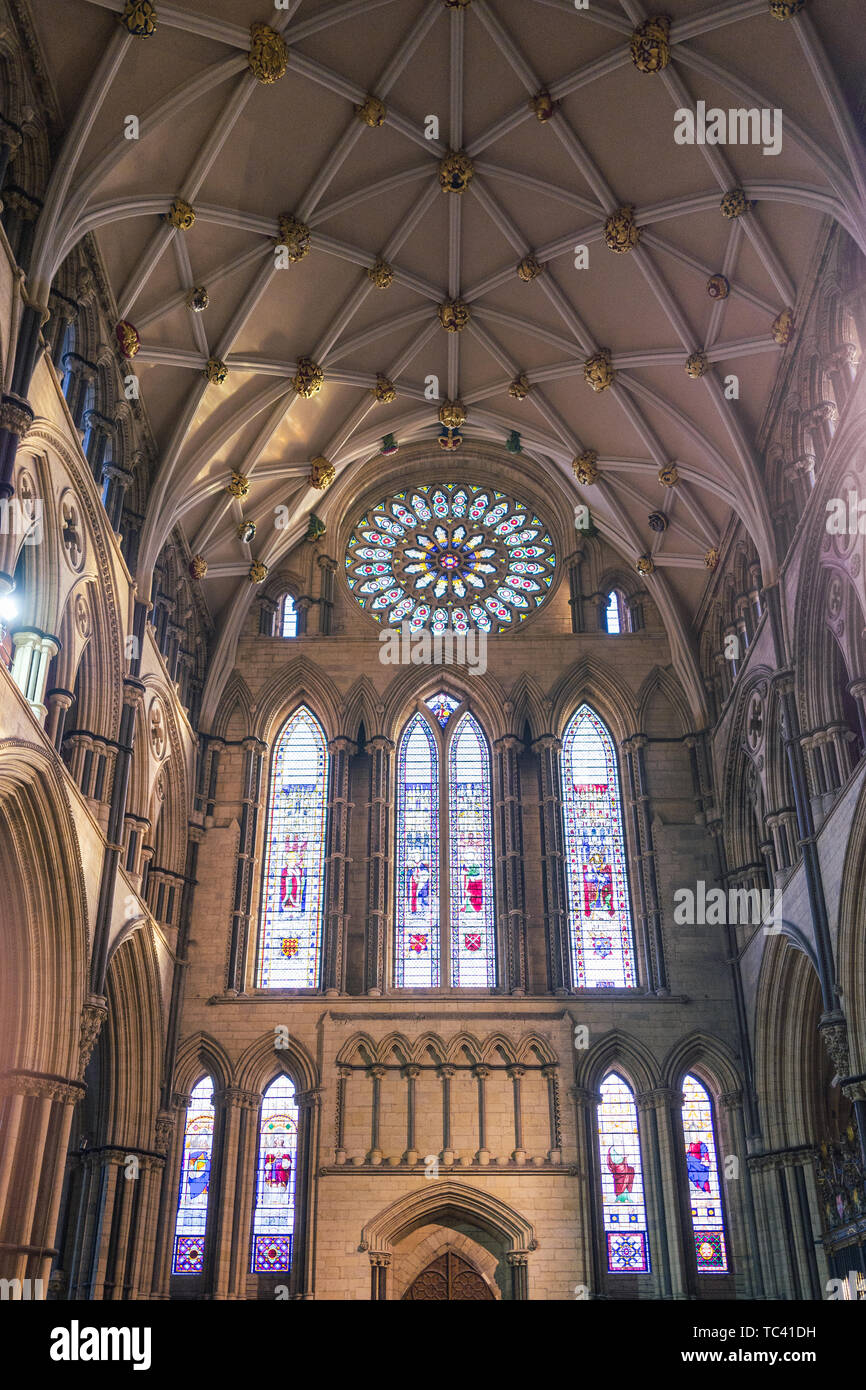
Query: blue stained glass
[191, 1225]
[443, 706]
[622, 1193]
[705, 1193]
[600, 914]
[274, 1216]
[473, 955]
[416, 963]
[293, 875]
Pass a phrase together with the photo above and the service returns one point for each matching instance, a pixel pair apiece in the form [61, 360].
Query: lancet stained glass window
[445, 923]
[602, 944]
[705, 1194]
[191, 1225]
[294, 857]
[622, 1179]
[276, 1175]
[416, 963]
[473, 959]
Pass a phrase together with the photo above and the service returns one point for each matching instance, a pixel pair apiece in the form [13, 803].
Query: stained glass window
[473, 957]
[416, 963]
[274, 1217]
[602, 944]
[189, 1231]
[622, 1193]
[444, 880]
[450, 557]
[294, 857]
[705, 1195]
[288, 618]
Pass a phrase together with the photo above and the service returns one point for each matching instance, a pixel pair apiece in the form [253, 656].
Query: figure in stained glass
[622, 1194]
[705, 1195]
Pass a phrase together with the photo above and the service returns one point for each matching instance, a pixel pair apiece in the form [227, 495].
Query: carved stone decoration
[156, 725]
[294, 235]
[372, 111]
[247, 532]
[139, 18]
[598, 370]
[452, 414]
[450, 440]
[841, 1179]
[711, 559]
[15, 416]
[834, 1031]
[389, 445]
[72, 531]
[216, 371]
[181, 215]
[657, 522]
[316, 528]
[457, 4]
[322, 473]
[308, 377]
[93, 1015]
[755, 723]
[82, 616]
[669, 477]
[782, 327]
[718, 286]
[268, 55]
[697, 364]
[528, 268]
[163, 1130]
[455, 172]
[385, 391]
[128, 338]
[644, 565]
[520, 387]
[543, 105]
[584, 466]
[454, 315]
[258, 572]
[198, 567]
[650, 44]
[735, 203]
[239, 485]
[513, 444]
[786, 9]
[621, 232]
[381, 273]
[198, 299]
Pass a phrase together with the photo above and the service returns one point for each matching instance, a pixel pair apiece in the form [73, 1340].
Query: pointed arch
[276, 1180]
[193, 1199]
[293, 870]
[704, 1179]
[622, 1191]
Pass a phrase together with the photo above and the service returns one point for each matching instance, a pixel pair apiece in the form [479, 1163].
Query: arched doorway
[450, 1278]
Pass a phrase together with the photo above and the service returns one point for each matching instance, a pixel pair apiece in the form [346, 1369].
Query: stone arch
[302, 682]
[235, 707]
[621, 1052]
[418, 1250]
[198, 1055]
[661, 687]
[851, 938]
[484, 695]
[263, 1061]
[131, 1042]
[362, 705]
[790, 1059]
[595, 683]
[708, 1057]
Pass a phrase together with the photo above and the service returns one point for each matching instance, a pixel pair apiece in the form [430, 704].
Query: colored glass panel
[622, 1192]
[293, 876]
[473, 957]
[191, 1224]
[443, 706]
[274, 1217]
[705, 1194]
[416, 962]
[602, 943]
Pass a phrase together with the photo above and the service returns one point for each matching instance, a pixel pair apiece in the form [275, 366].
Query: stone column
[483, 1155]
[141, 1244]
[551, 1076]
[661, 1136]
[446, 1076]
[58, 702]
[378, 829]
[344, 1075]
[518, 1263]
[657, 979]
[376, 1074]
[254, 751]
[170, 1134]
[133, 693]
[574, 563]
[510, 885]
[411, 1075]
[742, 1218]
[380, 1263]
[34, 652]
[227, 1191]
[593, 1241]
[335, 915]
[37, 1115]
[327, 570]
[549, 750]
[10, 142]
[309, 1106]
[516, 1075]
[249, 1105]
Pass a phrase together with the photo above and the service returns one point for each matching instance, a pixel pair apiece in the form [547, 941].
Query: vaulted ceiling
[452, 77]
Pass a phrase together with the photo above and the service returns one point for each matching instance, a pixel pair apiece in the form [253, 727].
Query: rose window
[450, 556]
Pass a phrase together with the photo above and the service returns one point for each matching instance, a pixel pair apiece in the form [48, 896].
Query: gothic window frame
[575, 893]
[443, 738]
[285, 597]
[698, 1075]
[276, 1276]
[261, 911]
[616, 597]
[199, 1275]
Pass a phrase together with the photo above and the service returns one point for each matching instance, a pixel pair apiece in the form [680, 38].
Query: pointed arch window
[276, 1178]
[705, 1189]
[617, 617]
[288, 617]
[191, 1224]
[622, 1193]
[445, 930]
[602, 941]
[290, 933]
